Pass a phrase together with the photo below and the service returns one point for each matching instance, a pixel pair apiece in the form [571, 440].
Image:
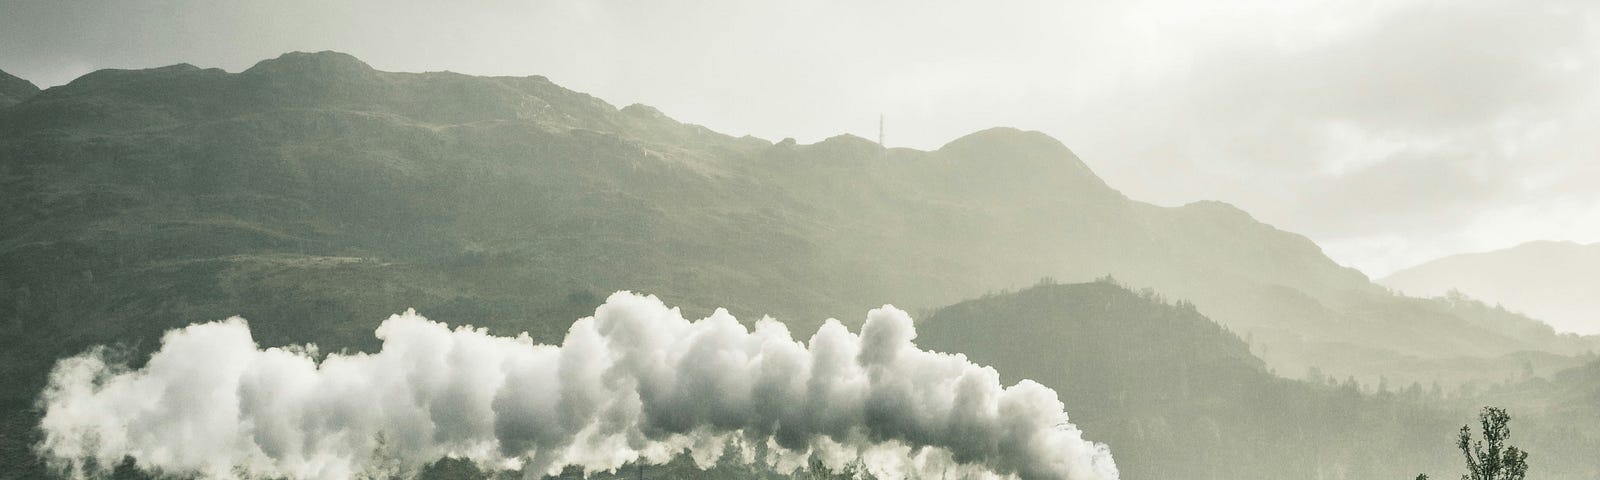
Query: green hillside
[14, 90]
[1178, 396]
[316, 196]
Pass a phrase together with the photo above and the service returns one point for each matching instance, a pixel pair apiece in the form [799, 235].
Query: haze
[1125, 232]
[1390, 132]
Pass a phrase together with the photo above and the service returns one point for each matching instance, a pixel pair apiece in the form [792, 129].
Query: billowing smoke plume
[634, 382]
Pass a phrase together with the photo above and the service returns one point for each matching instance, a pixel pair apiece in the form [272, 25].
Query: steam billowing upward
[634, 382]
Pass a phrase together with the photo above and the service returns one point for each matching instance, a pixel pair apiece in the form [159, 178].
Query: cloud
[1385, 124]
[634, 382]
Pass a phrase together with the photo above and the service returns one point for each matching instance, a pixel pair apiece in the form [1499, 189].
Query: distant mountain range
[1153, 379]
[315, 196]
[1557, 282]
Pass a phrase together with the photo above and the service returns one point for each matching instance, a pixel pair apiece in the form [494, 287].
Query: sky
[1391, 132]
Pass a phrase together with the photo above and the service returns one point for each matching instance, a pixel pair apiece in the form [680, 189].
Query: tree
[1491, 458]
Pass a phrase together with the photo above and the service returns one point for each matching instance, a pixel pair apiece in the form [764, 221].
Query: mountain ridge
[316, 196]
[14, 90]
[1153, 378]
[332, 129]
[1549, 280]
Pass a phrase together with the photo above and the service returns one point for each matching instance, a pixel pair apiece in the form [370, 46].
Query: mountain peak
[850, 140]
[642, 110]
[1006, 143]
[1013, 140]
[1008, 133]
[1026, 153]
[1554, 245]
[14, 90]
[1549, 280]
[326, 62]
[109, 76]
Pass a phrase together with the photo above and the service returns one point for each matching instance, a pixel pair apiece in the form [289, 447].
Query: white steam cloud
[635, 382]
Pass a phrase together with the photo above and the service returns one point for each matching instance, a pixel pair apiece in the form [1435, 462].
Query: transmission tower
[880, 131]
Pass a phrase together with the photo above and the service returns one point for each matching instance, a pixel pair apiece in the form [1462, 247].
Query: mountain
[1156, 379]
[315, 196]
[1176, 395]
[14, 90]
[1568, 403]
[1551, 281]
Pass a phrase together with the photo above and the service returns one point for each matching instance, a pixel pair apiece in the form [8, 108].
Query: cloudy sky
[1391, 132]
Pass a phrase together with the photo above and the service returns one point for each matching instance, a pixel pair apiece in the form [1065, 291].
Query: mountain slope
[1551, 281]
[502, 186]
[1177, 396]
[14, 90]
[315, 196]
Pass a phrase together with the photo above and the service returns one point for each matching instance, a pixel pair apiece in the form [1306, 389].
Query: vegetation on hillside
[315, 196]
[1176, 395]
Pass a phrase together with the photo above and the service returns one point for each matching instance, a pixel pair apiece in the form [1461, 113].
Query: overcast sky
[1391, 132]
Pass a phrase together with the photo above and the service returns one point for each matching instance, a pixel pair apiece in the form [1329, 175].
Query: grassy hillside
[1177, 396]
[14, 90]
[316, 196]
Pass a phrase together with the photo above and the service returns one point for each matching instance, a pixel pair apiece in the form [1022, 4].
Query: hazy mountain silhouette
[1155, 380]
[315, 196]
[1552, 281]
[14, 90]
